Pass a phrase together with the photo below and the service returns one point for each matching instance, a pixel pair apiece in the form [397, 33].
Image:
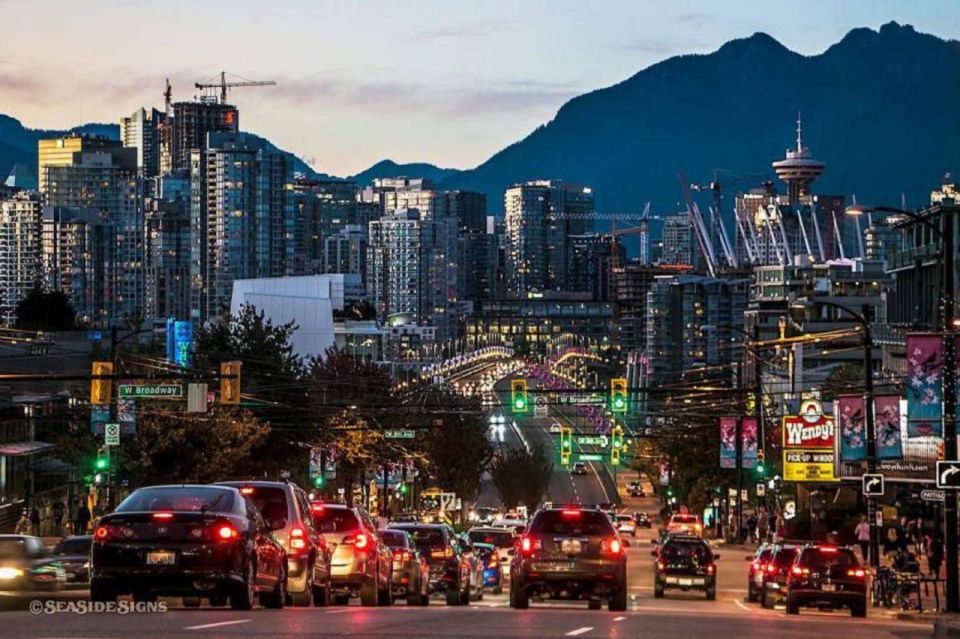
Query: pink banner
[853, 431]
[887, 422]
[728, 442]
[924, 385]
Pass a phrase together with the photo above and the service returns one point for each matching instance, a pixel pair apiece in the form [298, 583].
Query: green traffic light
[760, 469]
[318, 481]
[519, 403]
[101, 463]
[619, 403]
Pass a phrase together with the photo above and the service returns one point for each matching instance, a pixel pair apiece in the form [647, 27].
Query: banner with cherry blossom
[924, 385]
[853, 433]
[750, 438]
[728, 442]
[886, 419]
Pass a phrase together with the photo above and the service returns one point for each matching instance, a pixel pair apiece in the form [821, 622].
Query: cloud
[696, 19]
[459, 30]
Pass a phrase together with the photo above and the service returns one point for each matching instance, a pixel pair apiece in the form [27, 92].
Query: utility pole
[758, 389]
[947, 312]
[871, 432]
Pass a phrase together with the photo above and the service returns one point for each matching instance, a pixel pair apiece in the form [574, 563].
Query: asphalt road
[678, 615]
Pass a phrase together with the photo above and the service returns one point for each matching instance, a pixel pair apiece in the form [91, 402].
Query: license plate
[570, 546]
[161, 558]
[828, 587]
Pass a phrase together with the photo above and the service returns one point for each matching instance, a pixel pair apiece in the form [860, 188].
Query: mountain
[389, 168]
[879, 108]
[18, 144]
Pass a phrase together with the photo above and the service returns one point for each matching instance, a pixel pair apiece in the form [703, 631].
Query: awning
[18, 449]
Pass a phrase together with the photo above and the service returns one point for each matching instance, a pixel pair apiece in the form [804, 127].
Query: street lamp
[945, 233]
[863, 319]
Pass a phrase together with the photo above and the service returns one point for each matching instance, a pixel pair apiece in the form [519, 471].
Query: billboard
[809, 441]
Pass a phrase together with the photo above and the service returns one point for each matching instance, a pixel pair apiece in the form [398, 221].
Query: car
[514, 524]
[492, 572]
[476, 566]
[190, 541]
[578, 468]
[555, 428]
[73, 553]
[684, 523]
[643, 520]
[571, 554]
[775, 574]
[25, 565]
[362, 564]
[685, 562]
[825, 575]
[636, 489]
[287, 511]
[450, 568]
[483, 515]
[502, 538]
[758, 564]
[411, 574]
[626, 525]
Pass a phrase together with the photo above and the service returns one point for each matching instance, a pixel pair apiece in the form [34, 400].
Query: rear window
[424, 537]
[500, 539]
[574, 522]
[833, 558]
[331, 520]
[193, 499]
[80, 546]
[395, 538]
[271, 502]
[765, 555]
[684, 519]
[785, 556]
[678, 550]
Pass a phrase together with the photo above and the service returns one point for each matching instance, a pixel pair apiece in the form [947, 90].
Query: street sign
[157, 391]
[400, 434]
[789, 509]
[948, 474]
[448, 501]
[197, 398]
[111, 434]
[872, 485]
[589, 457]
[540, 406]
[593, 440]
[930, 494]
[761, 490]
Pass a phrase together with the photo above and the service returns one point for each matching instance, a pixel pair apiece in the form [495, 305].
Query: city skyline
[448, 85]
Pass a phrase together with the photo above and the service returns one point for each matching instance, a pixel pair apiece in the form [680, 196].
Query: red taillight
[361, 542]
[526, 545]
[771, 569]
[225, 532]
[102, 533]
[661, 565]
[317, 508]
[711, 569]
[571, 513]
[613, 546]
[163, 515]
[757, 566]
[827, 549]
[859, 573]
[246, 490]
[297, 542]
[797, 570]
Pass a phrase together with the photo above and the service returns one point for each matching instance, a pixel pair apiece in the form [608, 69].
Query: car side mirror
[716, 557]
[654, 553]
[748, 558]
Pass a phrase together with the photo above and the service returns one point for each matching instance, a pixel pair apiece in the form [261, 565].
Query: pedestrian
[751, 528]
[83, 518]
[862, 533]
[781, 530]
[891, 542]
[24, 525]
[74, 510]
[934, 552]
[903, 533]
[35, 519]
[58, 510]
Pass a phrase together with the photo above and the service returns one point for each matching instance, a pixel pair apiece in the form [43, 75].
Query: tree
[43, 310]
[521, 476]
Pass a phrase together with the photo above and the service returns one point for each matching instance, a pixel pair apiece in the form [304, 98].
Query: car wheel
[385, 594]
[657, 591]
[618, 600]
[191, 602]
[453, 596]
[793, 607]
[322, 595]
[277, 598]
[751, 594]
[712, 593]
[465, 595]
[243, 594]
[368, 592]
[100, 591]
[766, 601]
[341, 600]
[218, 601]
[859, 609]
[519, 599]
[498, 589]
[594, 604]
[305, 597]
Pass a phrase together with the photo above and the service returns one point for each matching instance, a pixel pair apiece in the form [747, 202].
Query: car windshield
[395, 538]
[76, 546]
[426, 537]
[189, 498]
[828, 558]
[13, 549]
[271, 502]
[335, 520]
[572, 522]
[626, 518]
[678, 551]
[785, 556]
[499, 538]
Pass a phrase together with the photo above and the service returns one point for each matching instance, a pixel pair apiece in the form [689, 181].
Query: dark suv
[827, 576]
[570, 553]
[286, 509]
[450, 567]
[685, 562]
[775, 573]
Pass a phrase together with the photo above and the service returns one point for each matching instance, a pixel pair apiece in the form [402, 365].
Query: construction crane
[717, 232]
[223, 85]
[643, 229]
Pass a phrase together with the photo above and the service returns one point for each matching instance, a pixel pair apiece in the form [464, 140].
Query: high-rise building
[590, 258]
[242, 217]
[630, 284]
[20, 227]
[412, 270]
[100, 175]
[480, 262]
[167, 247]
[678, 242]
[470, 207]
[192, 121]
[540, 216]
[142, 131]
[322, 209]
[346, 251]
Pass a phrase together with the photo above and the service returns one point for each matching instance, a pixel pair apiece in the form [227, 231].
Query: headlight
[10, 573]
[86, 564]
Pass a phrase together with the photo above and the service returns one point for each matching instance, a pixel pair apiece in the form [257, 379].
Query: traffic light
[318, 481]
[101, 390]
[614, 456]
[566, 445]
[760, 460]
[401, 488]
[230, 382]
[616, 437]
[618, 395]
[518, 395]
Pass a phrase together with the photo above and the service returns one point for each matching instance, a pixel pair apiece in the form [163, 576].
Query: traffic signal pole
[871, 433]
[947, 313]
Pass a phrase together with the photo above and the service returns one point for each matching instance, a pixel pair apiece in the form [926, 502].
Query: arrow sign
[948, 474]
[873, 485]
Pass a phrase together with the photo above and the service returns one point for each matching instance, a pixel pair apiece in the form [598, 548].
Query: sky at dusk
[443, 81]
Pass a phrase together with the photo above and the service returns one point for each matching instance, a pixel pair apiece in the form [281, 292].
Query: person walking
[35, 519]
[24, 524]
[74, 510]
[57, 512]
[862, 533]
[83, 518]
[934, 552]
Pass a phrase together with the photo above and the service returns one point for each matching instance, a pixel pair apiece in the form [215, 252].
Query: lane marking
[740, 604]
[579, 631]
[218, 624]
[619, 618]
